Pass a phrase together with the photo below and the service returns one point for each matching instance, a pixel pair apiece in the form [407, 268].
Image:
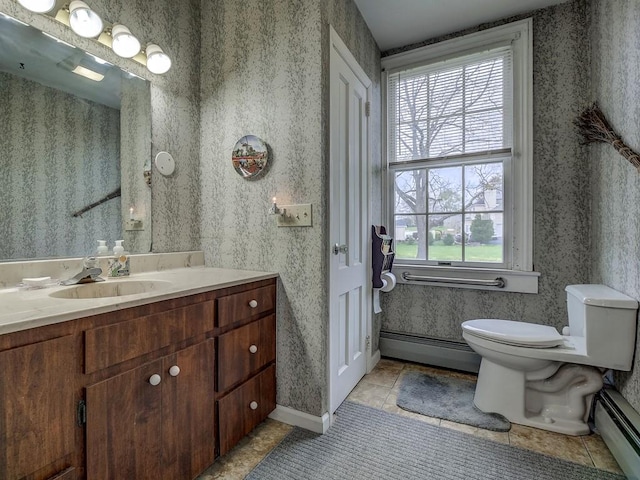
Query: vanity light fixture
[157, 61]
[38, 6]
[124, 43]
[84, 21]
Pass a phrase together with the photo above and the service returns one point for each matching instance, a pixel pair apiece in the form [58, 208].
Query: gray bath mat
[365, 443]
[448, 398]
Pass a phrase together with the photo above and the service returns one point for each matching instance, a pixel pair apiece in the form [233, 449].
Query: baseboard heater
[619, 425]
[430, 351]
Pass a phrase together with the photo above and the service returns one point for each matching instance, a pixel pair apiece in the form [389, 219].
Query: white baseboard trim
[301, 419]
[373, 361]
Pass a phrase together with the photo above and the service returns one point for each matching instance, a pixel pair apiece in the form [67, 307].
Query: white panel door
[349, 223]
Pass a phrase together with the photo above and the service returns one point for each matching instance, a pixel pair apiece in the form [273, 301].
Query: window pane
[484, 131]
[485, 85]
[446, 92]
[445, 189]
[446, 136]
[411, 192]
[485, 237]
[443, 246]
[410, 233]
[484, 187]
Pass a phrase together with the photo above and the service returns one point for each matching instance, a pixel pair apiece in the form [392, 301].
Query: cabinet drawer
[245, 350]
[112, 344]
[245, 407]
[240, 306]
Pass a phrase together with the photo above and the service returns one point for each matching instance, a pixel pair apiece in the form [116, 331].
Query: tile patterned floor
[379, 389]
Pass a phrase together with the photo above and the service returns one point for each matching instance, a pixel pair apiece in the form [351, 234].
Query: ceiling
[402, 22]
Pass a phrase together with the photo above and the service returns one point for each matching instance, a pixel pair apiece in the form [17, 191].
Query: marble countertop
[23, 309]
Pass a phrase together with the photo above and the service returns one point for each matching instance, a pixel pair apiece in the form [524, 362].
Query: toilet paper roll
[388, 281]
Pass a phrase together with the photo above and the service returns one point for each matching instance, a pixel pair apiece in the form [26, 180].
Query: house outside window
[458, 133]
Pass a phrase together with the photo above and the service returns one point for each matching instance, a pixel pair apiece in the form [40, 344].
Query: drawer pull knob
[253, 405]
[253, 349]
[155, 379]
[174, 371]
[253, 303]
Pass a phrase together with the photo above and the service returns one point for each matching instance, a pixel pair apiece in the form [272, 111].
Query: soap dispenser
[119, 264]
[118, 249]
[102, 247]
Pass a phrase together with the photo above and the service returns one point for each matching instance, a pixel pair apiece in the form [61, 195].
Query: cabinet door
[37, 407]
[189, 411]
[124, 432]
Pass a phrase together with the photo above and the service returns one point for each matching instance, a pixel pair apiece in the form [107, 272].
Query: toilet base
[504, 391]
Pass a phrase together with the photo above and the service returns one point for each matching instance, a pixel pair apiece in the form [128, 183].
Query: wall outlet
[295, 215]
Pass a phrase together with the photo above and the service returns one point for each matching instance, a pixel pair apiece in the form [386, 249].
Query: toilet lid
[514, 333]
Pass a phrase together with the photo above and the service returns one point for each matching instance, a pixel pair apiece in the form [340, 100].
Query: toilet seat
[509, 332]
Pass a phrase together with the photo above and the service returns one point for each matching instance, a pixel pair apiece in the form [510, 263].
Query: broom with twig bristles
[594, 128]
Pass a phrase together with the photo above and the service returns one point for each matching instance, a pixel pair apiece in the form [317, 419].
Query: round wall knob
[174, 371]
[253, 303]
[253, 349]
[155, 379]
[253, 405]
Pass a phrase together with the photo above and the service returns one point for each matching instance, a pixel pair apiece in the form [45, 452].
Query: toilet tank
[606, 319]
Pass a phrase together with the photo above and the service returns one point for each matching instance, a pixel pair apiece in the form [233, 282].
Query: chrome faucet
[90, 273]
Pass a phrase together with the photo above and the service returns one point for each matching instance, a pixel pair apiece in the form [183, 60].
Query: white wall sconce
[133, 223]
[124, 43]
[275, 210]
[84, 21]
[157, 61]
[292, 215]
[38, 6]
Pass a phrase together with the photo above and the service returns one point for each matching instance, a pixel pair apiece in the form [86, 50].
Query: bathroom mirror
[75, 132]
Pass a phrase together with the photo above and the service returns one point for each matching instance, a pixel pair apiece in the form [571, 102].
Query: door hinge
[81, 414]
[368, 342]
[367, 109]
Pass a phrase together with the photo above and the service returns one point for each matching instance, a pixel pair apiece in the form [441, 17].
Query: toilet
[534, 376]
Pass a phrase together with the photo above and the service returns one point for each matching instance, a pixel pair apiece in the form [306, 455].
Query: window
[458, 130]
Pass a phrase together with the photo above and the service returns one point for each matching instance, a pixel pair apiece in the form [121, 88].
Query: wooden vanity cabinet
[37, 410]
[153, 392]
[246, 351]
[156, 421]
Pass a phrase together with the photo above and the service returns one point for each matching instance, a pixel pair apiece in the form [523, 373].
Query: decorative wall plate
[249, 156]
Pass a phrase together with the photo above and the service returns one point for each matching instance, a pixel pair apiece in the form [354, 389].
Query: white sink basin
[111, 288]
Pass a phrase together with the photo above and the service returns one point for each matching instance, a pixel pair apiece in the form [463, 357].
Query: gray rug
[370, 444]
[448, 398]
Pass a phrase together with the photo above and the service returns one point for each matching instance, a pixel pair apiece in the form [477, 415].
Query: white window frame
[519, 275]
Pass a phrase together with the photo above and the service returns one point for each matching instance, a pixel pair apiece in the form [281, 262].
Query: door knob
[174, 371]
[253, 349]
[155, 379]
[253, 405]
[253, 303]
[340, 248]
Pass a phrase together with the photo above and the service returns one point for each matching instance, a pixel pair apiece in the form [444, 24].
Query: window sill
[456, 277]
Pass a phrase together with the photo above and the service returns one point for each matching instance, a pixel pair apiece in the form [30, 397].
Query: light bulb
[157, 61]
[84, 21]
[38, 6]
[124, 43]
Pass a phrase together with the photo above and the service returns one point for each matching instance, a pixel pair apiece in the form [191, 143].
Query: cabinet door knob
[253, 303]
[253, 405]
[253, 349]
[174, 371]
[155, 379]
